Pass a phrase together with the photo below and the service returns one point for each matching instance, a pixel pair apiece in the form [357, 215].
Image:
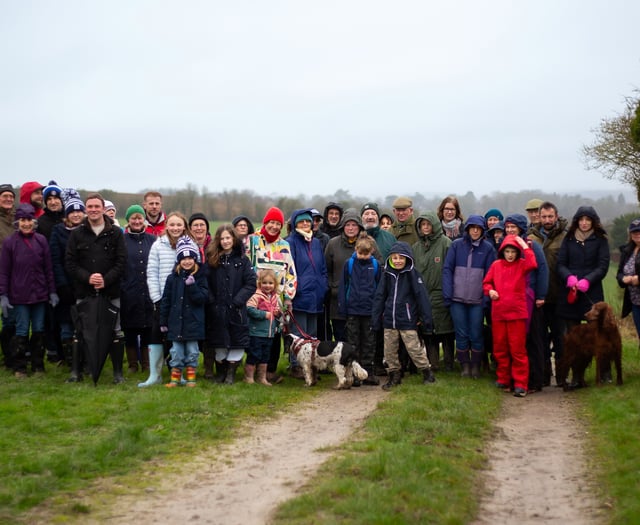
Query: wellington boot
[117, 360]
[209, 358]
[394, 379]
[427, 376]
[19, 347]
[156, 360]
[36, 345]
[144, 359]
[176, 375]
[132, 359]
[448, 351]
[5, 341]
[274, 378]
[231, 372]
[67, 351]
[77, 363]
[433, 353]
[249, 372]
[475, 370]
[262, 375]
[191, 376]
[221, 371]
[466, 370]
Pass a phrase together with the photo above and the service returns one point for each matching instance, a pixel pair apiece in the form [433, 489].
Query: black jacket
[89, 253]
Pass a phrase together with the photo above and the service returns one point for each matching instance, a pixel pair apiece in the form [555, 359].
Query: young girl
[231, 282]
[264, 309]
[182, 312]
[26, 284]
[506, 286]
[358, 282]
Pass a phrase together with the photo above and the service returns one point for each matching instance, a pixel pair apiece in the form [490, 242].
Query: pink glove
[583, 285]
[572, 280]
[190, 280]
[164, 329]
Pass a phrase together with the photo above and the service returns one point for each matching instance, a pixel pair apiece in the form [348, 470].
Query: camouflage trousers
[411, 341]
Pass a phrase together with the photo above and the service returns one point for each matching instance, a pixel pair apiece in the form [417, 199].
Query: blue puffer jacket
[311, 269]
[357, 287]
[401, 300]
[182, 308]
[465, 266]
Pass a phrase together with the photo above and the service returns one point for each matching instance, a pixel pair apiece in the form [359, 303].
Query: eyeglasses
[449, 209]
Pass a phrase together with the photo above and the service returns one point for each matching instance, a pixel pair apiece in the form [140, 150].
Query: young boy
[506, 285]
[356, 289]
[401, 301]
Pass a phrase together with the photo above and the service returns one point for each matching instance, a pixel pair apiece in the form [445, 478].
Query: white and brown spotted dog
[314, 355]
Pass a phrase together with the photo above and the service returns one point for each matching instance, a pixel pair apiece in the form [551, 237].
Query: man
[53, 209]
[155, 217]
[550, 233]
[532, 208]
[31, 193]
[7, 201]
[317, 228]
[332, 218]
[96, 259]
[370, 214]
[404, 228]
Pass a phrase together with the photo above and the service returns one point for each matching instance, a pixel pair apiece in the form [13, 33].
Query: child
[401, 301]
[26, 284]
[182, 311]
[356, 289]
[506, 285]
[264, 309]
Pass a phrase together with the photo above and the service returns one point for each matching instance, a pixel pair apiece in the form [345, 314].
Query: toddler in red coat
[506, 285]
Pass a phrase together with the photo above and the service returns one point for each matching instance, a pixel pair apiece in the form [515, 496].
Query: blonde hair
[265, 274]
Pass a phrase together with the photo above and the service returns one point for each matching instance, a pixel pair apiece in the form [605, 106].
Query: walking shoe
[502, 386]
[519, 392]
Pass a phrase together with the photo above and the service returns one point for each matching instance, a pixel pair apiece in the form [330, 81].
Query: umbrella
[95, 319]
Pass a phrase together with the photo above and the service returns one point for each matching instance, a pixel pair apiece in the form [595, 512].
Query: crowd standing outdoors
[424, 285]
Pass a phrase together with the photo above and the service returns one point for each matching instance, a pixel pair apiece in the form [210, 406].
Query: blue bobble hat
[52, 190]
[185, 247]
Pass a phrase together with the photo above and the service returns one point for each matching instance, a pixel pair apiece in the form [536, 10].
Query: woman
[467, 262]
[136, 308]
[243, 227]
[451, 217]
[199, 226]
[311, 272]
[232, 282]
[268, 250]
[629, 272]
[74, 214]
[429, 254]
[583, 262]
[161, 262]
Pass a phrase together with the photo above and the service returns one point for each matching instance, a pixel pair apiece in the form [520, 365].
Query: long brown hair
[187, 230]
[214, 250]
[450, 200]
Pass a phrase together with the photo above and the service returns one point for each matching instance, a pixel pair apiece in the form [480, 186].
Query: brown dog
[599, 338]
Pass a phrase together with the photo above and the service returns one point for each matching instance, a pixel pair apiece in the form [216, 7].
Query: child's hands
[164, 329]
[522, 243]
[493, 295]
[190, 280]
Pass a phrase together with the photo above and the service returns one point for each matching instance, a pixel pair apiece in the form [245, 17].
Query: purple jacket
[26, 272]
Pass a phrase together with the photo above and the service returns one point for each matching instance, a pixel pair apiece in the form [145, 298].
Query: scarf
[307, 236]
[582, 236]
[267, 236]
[452, 228]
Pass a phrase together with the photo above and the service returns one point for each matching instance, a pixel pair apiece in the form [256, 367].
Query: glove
[190, 280]
[5, 305]
[54, 299]
[164, 329]
[583, 285]
[572, 280]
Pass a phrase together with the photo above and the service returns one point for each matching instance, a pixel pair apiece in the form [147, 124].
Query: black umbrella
[95, 319]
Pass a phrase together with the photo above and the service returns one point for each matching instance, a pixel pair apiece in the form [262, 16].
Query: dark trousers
[536, 349]
[358, 333]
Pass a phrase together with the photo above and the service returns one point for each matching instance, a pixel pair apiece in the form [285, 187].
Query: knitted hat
[519, 220]
[52, 190]
[370, 206]
[134, 208]
[7, 187]
[274, 214]
[25, 211]
[73, 204]
[108, 205]
[305, 216]
[201, 217]
[494, 212]
[185, 247]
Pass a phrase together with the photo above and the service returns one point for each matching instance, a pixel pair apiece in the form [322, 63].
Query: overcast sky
[289, 97]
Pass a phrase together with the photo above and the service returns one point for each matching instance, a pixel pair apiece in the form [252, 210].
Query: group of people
[396, 286]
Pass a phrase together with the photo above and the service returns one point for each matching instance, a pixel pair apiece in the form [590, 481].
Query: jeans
[467, 321]
[259, 350]
[29, 314]
[184, 353]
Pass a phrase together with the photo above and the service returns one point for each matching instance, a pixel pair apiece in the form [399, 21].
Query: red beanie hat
[273, 214]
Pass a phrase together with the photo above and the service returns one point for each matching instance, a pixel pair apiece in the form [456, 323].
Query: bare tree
[615, 152]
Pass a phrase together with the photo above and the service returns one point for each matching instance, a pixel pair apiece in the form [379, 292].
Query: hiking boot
[427, 376]
[519, 392]
[393, 381]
